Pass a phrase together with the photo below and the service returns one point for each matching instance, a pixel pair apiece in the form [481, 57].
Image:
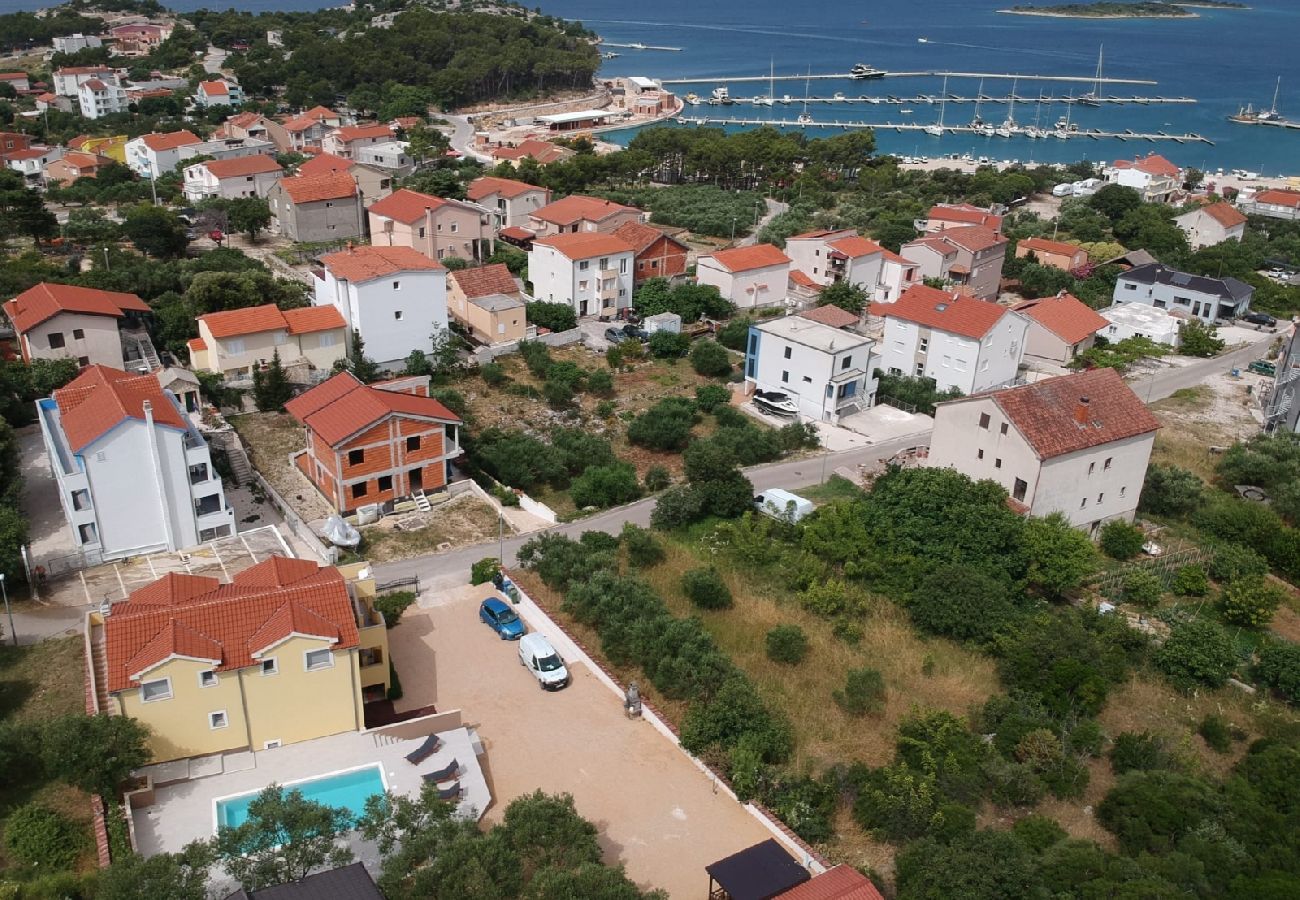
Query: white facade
[1136, 320]
[954, 360]
[388, 155]
[68, 81]
[150, 163]
[139, 488]
[896, 276]
[71, 43]
[1205, 230]
[200, 184]
[1154, 187]
[99, 97]
[597, 285]
[749, 288]
[394, 314]
[826, 371]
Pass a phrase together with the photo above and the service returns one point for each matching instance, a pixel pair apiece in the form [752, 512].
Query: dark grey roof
[348, 883]
[1154, 273]
[1132, 258]
[759, 872]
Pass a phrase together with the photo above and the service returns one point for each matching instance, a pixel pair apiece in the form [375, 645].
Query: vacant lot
[1218, 413]
[458, 522]
[271, 438]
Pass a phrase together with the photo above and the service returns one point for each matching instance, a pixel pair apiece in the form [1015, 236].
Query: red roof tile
[170, 141]
[94, 84]
[101, 398]
[314, 188]
[802, 279]
[1047, 412]
[360, 264]
[1225, 214]
[934, 242]
[174, 588]
[1279, 198]
[585, 245]
[839, 883]
[518, 233]
[830, 315]
[47, 299]
[309, 319]
[972, 237]
[855, 247]
[325, 164]
[506, 187]
[342, 406]
[964, 212]
[251, 320]
[743, 259]
[640, 236]
[579, 208]
[484, 281]
[1043, 245]
[214, 88]
[1151, 164]
[196, 344]
[1065, 316]
[349, 133]
[542, 151]
[231, 622]
[942, 311]
[406, 205]
[242, 166]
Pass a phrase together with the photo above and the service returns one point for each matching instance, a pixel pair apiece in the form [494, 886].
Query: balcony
[207, 506]
[200, 473]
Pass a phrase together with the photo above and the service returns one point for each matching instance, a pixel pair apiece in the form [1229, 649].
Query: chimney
[1081, 417]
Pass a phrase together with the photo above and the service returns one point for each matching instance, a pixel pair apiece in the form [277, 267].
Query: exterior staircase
[421, 501]
[138, 353]
[99, 665]
[228, 441]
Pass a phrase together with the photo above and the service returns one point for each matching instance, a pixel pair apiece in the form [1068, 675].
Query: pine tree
[271, 389]
[363, 367]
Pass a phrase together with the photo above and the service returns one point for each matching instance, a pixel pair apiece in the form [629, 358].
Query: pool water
[344, 790]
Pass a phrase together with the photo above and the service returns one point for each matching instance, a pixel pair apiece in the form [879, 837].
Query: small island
[1149, 9]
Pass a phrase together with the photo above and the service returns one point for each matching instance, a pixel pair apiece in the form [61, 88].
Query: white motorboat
[804, 119]
[722, 94]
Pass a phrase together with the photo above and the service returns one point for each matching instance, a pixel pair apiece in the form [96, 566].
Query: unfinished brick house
[374, 443]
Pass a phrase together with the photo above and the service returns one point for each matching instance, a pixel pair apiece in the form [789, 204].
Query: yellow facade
[113, 147]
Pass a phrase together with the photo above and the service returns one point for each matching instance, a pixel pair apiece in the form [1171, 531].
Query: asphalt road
[1165, 382]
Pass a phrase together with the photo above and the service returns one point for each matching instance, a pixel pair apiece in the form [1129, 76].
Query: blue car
[498, 616]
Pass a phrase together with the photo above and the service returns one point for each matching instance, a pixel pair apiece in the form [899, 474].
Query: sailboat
[771, 87]
[1064, 127]
[977, 124]
[1009, 126]
[937, 129]
[1034, 132]
[1247, 115]
[1093, 97]
[804, 118]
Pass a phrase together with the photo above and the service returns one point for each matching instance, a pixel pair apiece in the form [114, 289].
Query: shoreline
[1047, 14]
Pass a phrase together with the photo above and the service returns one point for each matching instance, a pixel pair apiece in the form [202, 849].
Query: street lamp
[9, 612]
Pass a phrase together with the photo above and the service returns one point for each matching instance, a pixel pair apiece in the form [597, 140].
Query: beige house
[316, 208]
[576, 213]
[1212, 224]
[256, 126]
[513, 202]
[488, 303]
[62, 321]
[1060, 327]
[434, 226]
[372, 184]
[348, 141]
[1057, 254]
[969, 257]
[235, 341]
[747, 276]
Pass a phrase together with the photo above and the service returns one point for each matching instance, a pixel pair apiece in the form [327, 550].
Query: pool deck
[184, 811]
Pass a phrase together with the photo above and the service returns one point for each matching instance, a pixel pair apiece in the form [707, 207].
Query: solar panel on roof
[1181, 278]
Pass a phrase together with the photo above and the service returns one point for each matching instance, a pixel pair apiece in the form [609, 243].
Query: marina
[1065, 133]
[922, 99]
[639, 46]
[934, 73]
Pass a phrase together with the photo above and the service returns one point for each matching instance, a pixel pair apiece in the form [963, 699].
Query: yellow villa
[288, 651]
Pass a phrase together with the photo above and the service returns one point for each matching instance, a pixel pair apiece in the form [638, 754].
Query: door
[416, 478]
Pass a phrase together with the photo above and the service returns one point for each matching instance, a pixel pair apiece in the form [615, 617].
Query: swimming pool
[348, 789]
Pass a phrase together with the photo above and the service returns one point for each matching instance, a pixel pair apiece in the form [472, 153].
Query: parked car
[776, 403]
[497, 615]
[615, 335]
[1262, 367]
[538, 656]
[636, 332]
[1259, 318]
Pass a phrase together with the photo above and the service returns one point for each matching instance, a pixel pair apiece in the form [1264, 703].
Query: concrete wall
[747, 290]
[100, 343]
[392, 320]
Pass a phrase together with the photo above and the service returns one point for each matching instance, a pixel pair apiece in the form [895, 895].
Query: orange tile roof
[640, 236]
[405, 205]
[102, 397]
[542, 151]
[314, 188]
[242, 166]
[1043, 245]
[964, 212]
[361, 264]
[1225, 214]
[250, 320]
[1047, 412]
[942, 311]
[830, 315]
[170, 140]
[934, 242]
[1279, 198]
[518, 233]
[310, 319]
[506, 187]
[579, 208]
[357, 132]
[743, 259]
[324, 164]
[47, 299]
[1065, 316]
[855, 247]
[94, 84]
[972, 237]
[78, 159]
[196, 344]
[585, 245]
[1151, 164]
[214, 88]
[231, 623]
[485, 280]
[812, 235]
[244, 119]
[839, 883]
[800, 278]
[342, 406]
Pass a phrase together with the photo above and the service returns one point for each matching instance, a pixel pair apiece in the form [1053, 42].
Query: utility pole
[9, 612]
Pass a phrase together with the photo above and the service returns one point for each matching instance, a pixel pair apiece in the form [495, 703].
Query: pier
[937, 73]
[640, 47]
[1093, 133]
[930, 99]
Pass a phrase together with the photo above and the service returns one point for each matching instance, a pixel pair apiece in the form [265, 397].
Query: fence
[398, 584]
[1165, 567]
[552, 339]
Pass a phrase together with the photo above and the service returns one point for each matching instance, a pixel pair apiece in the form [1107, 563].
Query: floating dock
[640, 47]
[1276, 123]
[1093, 133]
[936, 73]
[929, 99]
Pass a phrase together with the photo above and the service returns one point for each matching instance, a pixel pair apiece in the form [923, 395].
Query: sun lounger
[432, 744]
[444, 773]
[450, 791]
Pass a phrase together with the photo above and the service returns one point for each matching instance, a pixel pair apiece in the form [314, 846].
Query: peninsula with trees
[1149, 9]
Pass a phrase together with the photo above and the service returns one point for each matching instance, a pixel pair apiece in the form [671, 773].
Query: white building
[1152, 176]
[1126, 320]
[1060, 328]
[134, 474]
[99, 97]
[827, 371]
[512, 202]
[243, 176]
[71, 43]
[64, 321]
[747, 276]
[1212, 224]
[1212, 300]
[391, 156]
[590, 271]
[827, 257]
[151, 155]
[218, 92]
[68, 79]
[959, 341]
[1076, 445]
[394, 297]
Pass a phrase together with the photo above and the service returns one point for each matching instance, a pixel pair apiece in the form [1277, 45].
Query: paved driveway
[657, 813]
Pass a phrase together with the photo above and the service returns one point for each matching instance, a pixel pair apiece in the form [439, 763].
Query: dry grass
[461, 521]
[270, 439]
[1214, 414]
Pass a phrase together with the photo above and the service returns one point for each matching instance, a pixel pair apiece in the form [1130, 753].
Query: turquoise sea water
[346, 790]
[1224, 59]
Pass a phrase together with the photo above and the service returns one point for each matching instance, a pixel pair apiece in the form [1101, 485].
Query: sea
[1223, 59]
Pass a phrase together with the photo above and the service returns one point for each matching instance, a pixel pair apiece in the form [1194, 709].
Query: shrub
[864, 692]
[1217, 733]
[1279, 668]
[1196, 653]
[537, 357]
[643, 549]
[614, 356]
[1140, 751]
[705, 588]
[1233, 561]
[1038, 832]
[493, 373]
[668, 345]
[665, 426]
[735, 334]
[657, 478]
[605, 409]
[710, 358]
[787, 644]
[798, 436]
[962, 604]
[41, 837]
[555, 316]
[484, 570]
[600, 383]
[1142, 588]
[1120, 540]
[1190, 581]
[1250, 602]
[605, 486]
[1151, 810]
[1170, 491]
[394, 683]
[730, 417]
[677, 507]
[709, 397]
[393, 605]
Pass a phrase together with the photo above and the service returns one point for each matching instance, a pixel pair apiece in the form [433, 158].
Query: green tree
[933, 870]
[786, 644]
[155, 231]
[285, 838]
[602, 486]
[1114, 201]
[22, 210]
[362, 367]
[1196, 653]
[591, 881]
[665, 426]
[1278, 667]
[39, 837]
[710, 358]
[1060, 556]
[848, 297]
[1120, 540]
[552, 316]
[1251, 602]
[177, 876]
[1151, 810]
[666, 344]
[863, 692]
[961, 604]
[1142, 588]
[1170, 491]
[271, 388]
[94, 753]
[1200, 339]
[249, 215]
[547, 832]
[705, 588]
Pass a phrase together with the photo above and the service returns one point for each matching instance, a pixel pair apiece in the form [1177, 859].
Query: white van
[538, 656]
[783, 505]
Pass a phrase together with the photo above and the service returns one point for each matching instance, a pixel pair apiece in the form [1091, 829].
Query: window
[788, 351]
[207, 678]
[329, 204]
[920, 369]
[56, 340]
[979, 454]
[924, 345]
[421, 231]
[78, 334]
[785, 377]
[604, 262]
[1019, 489]
[1106, 465]
[846, 363]
[455, 226]
[582, 266]
[385, 482]
[984, 421]
[412, 443]
[397, 314]
[1101, 496]
[807, 380]
[1130, 287]
[397, 285]
[356, 457]
[1123, 491]
[359, 490]
[997, 463]
[328, 339]
[156, 690]
[582, 285]
[83, 360]
[1083, 504]
[217, 719]
[622, 265]
[1091, 467]
[234, 346]
[269, 666]
[1003, 428]
[441, 252]
[87, 533]
[319, 659]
